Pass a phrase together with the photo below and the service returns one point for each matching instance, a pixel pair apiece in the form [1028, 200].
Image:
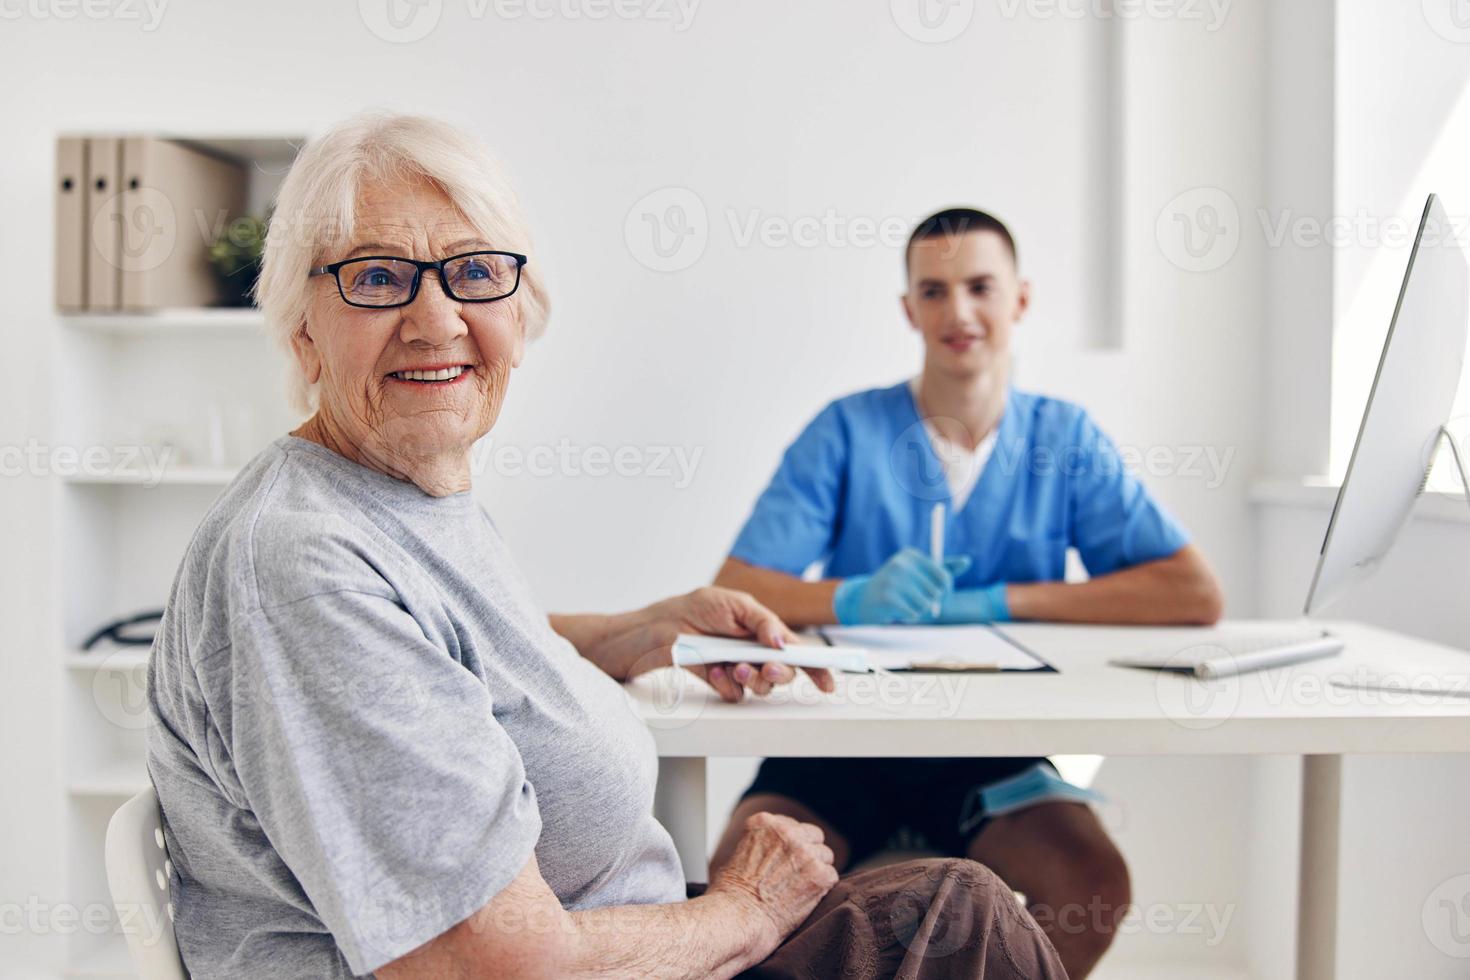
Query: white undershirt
[962, 467]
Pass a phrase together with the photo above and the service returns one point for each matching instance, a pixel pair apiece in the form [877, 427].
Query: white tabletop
[1088, 706]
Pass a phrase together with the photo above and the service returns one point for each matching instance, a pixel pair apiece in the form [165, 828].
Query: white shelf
[225, 321]
[176, 476]
[135, 373]
[118, 780]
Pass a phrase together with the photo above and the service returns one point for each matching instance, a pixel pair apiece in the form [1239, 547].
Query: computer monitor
[1408, 406]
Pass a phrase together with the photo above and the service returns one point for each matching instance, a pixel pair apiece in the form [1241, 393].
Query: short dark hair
[958, 221]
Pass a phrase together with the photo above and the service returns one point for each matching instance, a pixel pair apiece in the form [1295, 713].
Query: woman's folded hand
[780, 870]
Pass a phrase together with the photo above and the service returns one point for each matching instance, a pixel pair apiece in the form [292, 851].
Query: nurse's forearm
[797, 602]
[1178, 590]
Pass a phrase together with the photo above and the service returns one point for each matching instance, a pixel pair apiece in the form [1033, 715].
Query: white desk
[1087, 708]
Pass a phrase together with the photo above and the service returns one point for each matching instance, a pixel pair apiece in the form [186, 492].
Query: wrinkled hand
[720, 612]
[780, 870]
[905, 589]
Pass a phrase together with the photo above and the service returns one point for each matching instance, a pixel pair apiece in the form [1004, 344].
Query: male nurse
[1021, 478]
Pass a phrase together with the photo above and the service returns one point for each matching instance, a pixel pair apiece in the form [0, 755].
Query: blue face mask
[1039, 784]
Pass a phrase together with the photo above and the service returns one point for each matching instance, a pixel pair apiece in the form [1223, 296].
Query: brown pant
[919, 920]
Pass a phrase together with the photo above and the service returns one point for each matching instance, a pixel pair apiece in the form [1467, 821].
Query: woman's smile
[432, 376]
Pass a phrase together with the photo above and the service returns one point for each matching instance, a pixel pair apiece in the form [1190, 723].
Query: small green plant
[235, 255]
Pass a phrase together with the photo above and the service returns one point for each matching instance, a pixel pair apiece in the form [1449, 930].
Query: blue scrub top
[860, 483]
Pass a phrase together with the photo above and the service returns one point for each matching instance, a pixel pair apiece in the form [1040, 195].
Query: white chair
[138, 872]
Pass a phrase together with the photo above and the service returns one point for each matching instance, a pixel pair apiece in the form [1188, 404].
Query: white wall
[762, 109]
[1381, 94]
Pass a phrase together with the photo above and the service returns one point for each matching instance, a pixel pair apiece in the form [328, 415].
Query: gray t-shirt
[364, 727]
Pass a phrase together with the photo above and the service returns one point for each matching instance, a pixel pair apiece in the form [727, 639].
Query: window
[1403, 131]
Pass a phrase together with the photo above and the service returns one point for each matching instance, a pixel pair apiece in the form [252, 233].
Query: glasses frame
[418, 277]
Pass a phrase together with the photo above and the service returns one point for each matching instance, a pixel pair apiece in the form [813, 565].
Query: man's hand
[907, 588]
[988, 605]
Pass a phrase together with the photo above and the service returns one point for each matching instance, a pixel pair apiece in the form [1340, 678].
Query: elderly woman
[374, 754]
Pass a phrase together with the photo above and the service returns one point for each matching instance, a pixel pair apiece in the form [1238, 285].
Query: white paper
[692, 648]
[900, 647]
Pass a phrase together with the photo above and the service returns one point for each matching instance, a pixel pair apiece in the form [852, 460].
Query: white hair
[315, 212]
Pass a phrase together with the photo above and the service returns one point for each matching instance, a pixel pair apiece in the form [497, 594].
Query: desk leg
[681, 805]
[1316, 938]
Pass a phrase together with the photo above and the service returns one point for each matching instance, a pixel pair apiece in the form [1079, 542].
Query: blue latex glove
[986, 605]
[905, 589]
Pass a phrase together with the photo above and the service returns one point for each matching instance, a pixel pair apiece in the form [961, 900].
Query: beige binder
[70, 262]
[103, 230]
[176, 200]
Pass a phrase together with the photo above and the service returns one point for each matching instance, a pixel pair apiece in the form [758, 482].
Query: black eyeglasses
[380, 282]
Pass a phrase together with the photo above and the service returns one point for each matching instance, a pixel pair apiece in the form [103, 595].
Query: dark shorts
[932, 804]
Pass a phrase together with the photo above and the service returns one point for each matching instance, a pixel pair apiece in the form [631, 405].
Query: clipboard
[930, 649]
